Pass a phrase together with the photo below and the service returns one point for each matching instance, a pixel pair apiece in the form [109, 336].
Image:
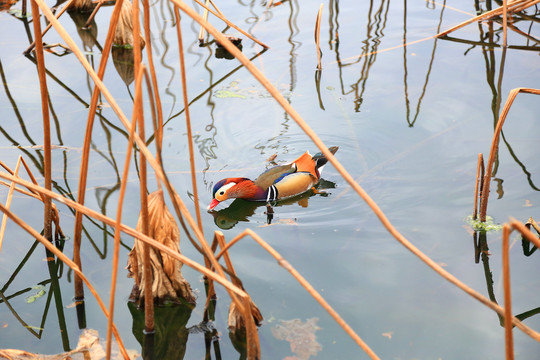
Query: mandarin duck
[277, 183]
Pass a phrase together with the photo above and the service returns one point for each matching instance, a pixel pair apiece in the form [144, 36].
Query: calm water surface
[409, 121]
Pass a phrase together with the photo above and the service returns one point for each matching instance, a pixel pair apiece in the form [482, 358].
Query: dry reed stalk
[157, 107]
[8, 202]
[40, 59]
[63, 10]
[179, 206]
[188, 120]
[143, 223]
[305, 284]
[98, 6]
[495, 146]
[508, 335]
[317, 35]
[343, 172]
[126, 230]
[236, 320]
[222, 18]
[116, 250]
[479, 185]
[85, 157]
[505, 21]
[66, 261]
[205, 17]
[56, 216]
[512, 7]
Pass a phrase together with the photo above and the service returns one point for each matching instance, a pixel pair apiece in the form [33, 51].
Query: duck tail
[321, 160]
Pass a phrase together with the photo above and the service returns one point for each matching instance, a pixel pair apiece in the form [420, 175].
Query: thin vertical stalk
[205, 17]
[156, 96]
[508, 338]
[60, 255]
[505, 22]
[495, 146]
[479, 184]
[117, 231]
[188, 120]
[317, 35]
[8, 202]
[85, 157]
[148, 298]
[47, 229]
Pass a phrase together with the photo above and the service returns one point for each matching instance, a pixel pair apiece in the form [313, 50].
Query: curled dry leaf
[168, 284]
[123, 35]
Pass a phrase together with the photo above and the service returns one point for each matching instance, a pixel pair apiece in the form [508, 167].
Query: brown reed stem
[205, 17]
[8, 202]
[151, 67]
[179, 206]
[495, 146]
[32, 45]
[125, 229]
[117, 231]
[508, 338]
[505, 22]
[47, 226]
[222, 18]
[188, 120]
[83, 173]
[317, 35]
[147, 268]
[48, 244]
[479, 184]
[305, 284]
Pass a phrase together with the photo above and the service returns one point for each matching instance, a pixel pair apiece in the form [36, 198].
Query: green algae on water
[478, 225]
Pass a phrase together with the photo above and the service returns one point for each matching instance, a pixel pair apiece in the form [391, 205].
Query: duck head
[229, 188]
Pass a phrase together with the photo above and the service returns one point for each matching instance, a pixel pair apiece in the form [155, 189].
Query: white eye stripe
[225, 188]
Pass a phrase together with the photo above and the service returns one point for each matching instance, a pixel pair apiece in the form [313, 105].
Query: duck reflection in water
[279, 183]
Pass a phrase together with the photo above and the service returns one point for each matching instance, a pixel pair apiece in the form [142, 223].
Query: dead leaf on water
[388, 335]
[300, 335]
[528, 203]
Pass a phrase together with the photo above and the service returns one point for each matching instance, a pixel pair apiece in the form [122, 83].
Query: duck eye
[222, 192]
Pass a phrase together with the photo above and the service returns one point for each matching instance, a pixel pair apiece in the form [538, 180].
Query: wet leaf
[301, 336]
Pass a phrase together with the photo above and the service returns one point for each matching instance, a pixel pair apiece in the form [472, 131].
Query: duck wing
[267, 178]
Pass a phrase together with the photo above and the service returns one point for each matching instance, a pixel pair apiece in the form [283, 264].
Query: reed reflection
[377, 16]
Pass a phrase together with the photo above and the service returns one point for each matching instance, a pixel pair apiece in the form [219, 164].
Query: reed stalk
[479, 184]
[495, 146]
[188, 120]
[508, 335]
[63, 10]
[224, 19]
[205, 17]
[8, 203]
[317, 36]
[85, 156]
[346, 176]
[47, 226]
[117, 232]
[49, 246]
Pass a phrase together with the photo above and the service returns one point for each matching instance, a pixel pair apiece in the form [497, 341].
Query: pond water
[409, 121]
